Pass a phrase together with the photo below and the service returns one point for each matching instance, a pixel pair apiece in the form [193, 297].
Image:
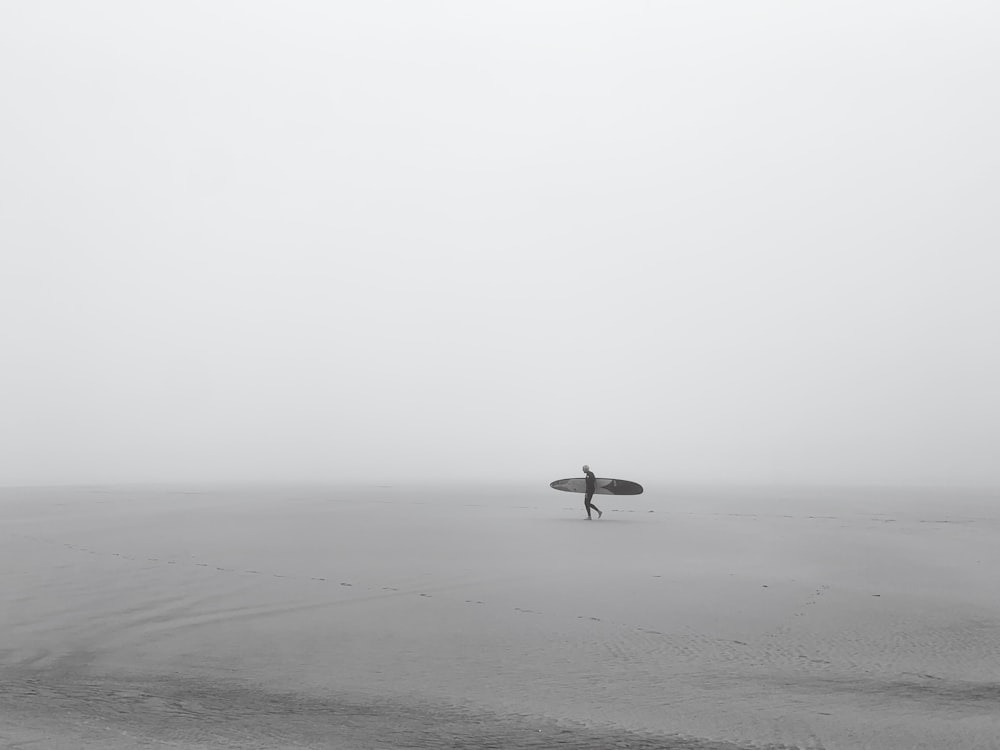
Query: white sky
[680, 241]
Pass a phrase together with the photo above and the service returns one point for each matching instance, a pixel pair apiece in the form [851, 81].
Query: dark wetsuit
[590, 487]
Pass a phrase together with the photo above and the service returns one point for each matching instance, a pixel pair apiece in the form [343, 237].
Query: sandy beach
[443, 616]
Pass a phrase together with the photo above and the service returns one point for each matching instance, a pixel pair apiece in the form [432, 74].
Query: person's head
[585, 468]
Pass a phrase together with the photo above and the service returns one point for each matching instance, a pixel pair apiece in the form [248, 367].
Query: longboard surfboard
[601, 486]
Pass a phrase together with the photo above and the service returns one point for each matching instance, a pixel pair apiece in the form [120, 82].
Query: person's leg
[587, 504]
[599, 514]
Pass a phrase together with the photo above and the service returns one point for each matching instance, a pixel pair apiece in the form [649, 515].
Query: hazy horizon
[682, 243]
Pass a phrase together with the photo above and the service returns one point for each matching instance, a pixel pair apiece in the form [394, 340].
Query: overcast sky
[680, 241]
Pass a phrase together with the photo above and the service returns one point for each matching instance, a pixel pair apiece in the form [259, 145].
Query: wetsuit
[590, 487]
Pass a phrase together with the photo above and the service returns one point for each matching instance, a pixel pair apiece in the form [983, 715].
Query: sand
[443, 616]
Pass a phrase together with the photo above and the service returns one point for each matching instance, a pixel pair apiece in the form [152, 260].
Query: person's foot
[599, 514]
[589, 518]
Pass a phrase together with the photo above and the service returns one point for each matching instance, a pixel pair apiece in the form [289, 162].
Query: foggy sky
[679, 241]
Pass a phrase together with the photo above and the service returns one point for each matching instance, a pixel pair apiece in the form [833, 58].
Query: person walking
[590, 487]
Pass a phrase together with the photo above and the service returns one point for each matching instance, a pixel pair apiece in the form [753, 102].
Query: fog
[380, 241]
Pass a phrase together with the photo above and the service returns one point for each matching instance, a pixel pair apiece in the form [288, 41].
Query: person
[590, 486]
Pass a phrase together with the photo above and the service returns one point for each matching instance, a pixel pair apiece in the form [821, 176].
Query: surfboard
[601, 486]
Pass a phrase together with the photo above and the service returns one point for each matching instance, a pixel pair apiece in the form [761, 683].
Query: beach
[342, 616]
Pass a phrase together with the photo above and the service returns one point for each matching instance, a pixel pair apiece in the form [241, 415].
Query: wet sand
[391, 617]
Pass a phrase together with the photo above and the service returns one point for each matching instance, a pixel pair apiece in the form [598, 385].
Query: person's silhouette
[591, 485]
